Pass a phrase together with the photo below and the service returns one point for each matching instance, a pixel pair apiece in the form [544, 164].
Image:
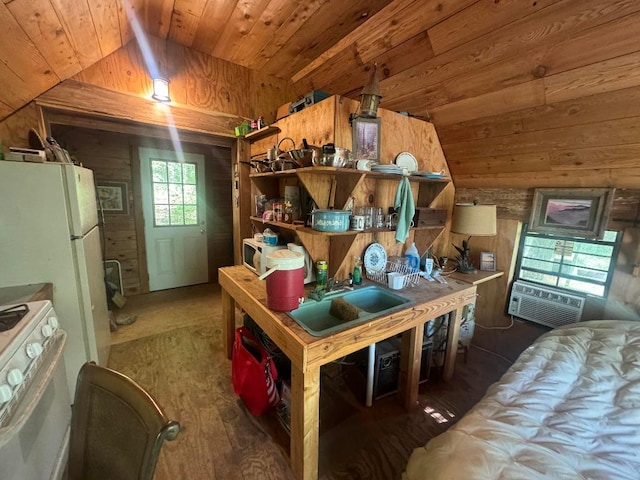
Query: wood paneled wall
[493, 295]
[515, 203]
[558, 108]
[209, 95]
[197, 81]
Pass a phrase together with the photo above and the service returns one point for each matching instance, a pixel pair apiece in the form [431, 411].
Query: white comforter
[568, 408]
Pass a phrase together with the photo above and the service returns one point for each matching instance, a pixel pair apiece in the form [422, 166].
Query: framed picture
[488, 261]
[579, 212]
[113, 197]
[366, 138]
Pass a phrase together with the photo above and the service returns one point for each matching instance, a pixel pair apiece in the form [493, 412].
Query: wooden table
[241, 287]
[476, 278]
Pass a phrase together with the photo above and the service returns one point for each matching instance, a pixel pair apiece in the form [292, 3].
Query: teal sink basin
[345, 309]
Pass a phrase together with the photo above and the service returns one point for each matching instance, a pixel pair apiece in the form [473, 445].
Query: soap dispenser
[414, 257]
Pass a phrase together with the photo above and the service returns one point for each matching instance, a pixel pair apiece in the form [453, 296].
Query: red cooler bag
[253, 372]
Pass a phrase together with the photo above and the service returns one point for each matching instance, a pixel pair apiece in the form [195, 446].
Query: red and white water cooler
[285, 280]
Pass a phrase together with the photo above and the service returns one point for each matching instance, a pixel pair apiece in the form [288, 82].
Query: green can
[322, 268]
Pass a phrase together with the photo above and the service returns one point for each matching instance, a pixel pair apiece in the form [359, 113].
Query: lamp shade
[474, 220]
[370, 96]
[161, 89]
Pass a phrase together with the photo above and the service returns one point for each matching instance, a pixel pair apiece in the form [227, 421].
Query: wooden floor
[174, 349]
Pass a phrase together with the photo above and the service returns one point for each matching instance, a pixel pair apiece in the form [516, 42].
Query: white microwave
[253, 253]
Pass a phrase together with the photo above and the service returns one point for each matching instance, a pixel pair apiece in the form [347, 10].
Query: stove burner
[9, 317]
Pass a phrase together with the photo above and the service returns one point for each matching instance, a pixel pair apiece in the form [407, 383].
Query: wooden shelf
[317, 170]
[334, 187]
[302, 228]
[263, 132]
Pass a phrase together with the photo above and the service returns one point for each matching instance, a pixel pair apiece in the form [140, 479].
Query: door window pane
[175, 194]
[159, 171]
[175, 172]
[189, 173]
[161, 215]
[160, 194]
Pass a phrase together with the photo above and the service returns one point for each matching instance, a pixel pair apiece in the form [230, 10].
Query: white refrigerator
[49, 233]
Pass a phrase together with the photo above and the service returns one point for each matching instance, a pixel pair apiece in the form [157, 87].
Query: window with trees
[576, 264]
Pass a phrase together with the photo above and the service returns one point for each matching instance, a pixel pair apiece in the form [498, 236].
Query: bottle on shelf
[357, 271]
[321, 273]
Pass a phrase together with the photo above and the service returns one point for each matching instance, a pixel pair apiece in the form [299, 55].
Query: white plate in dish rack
[408, 161]
[375, 258]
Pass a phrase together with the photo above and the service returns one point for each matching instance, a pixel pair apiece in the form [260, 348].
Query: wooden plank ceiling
[493, 75]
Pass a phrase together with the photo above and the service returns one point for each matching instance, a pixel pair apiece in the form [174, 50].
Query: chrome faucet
[333, 286]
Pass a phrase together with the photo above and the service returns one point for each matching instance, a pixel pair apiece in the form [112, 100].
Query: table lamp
[473, 220]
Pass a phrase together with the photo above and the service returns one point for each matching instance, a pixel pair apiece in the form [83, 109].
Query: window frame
[606, 284]
[168, 183]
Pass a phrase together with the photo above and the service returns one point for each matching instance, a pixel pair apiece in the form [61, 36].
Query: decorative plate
[405, 159]
[375, 258]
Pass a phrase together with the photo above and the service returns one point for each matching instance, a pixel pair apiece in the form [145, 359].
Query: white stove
[35, 408]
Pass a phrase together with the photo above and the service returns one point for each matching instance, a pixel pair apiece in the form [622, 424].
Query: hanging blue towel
[405, 208]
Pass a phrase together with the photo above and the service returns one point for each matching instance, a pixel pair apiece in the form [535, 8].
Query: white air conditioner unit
[544, 305]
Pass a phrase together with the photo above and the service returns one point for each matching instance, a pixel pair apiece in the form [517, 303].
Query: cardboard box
[25, 157]
[429, 217]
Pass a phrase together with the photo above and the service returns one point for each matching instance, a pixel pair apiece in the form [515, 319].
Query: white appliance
[309, 275]
[49, 233]
[253, 253]
[35, 411]
[544, 305]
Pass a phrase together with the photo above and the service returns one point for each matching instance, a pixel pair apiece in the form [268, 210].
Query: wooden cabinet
[328, 122]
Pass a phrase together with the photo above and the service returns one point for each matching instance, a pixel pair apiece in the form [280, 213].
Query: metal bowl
[342, 158]
[303, 157]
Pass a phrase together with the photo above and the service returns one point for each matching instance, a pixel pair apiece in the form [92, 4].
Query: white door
[174, 207]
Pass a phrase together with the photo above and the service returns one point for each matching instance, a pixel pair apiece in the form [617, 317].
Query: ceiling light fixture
[161, 90]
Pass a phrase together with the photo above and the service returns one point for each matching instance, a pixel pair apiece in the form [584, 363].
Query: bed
[568, 408]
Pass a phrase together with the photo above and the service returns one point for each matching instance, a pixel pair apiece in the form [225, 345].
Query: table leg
[305, 411]
[371, 365]
[228, 321]
[410, 362]
[453, 332]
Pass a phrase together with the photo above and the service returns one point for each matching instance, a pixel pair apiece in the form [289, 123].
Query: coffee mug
[395, 280]
[357, 222]
[363, 164]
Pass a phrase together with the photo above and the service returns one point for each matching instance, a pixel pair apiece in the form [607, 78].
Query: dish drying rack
[411, 277]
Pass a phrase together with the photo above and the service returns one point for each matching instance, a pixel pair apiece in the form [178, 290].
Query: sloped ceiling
[518, 89]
